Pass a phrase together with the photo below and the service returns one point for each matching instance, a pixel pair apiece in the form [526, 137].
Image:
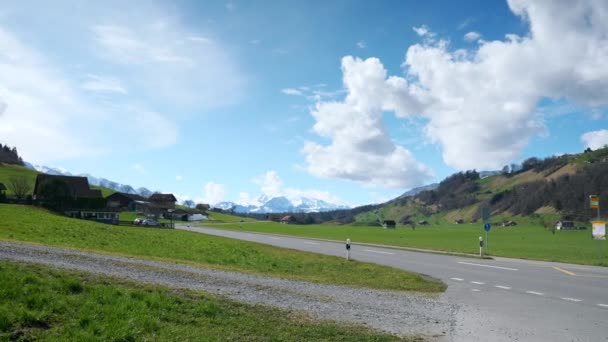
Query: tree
[188, 203]
[20, 186]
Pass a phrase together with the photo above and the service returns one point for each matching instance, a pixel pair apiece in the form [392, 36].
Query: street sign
[487, 227]
[594, 201]
[485, 214]
[598, 230]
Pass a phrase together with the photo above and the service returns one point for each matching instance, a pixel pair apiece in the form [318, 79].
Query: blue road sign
[487, 227]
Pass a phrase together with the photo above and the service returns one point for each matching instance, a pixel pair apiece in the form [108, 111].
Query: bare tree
[20, 186]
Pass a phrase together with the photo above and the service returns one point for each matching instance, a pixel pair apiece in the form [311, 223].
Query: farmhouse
[123, 201]
[63, 186]
[162, 201]
[288, 219]
[389, 224]
[186, 215]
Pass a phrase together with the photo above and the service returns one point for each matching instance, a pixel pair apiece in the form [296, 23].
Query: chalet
[288, 219]
[64, 186]
[123, 201]
[162, 201]
[390, 224]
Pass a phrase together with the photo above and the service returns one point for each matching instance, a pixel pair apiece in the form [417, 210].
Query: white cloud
[361, 44]
[595, 139]
[169, 62]
[361, 149]
[480, 103]
[214, 193]
[421, 30]
[291, 91]
[39, 96]
[97, 83]
[472, 36]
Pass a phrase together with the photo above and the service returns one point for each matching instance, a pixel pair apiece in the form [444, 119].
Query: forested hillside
[9, 155]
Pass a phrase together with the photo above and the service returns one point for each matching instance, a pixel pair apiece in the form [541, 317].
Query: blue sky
[348, 101]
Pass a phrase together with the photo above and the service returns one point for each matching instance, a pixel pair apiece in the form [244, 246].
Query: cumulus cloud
[472, 36]
[361, 148]
[595, 139]
[480, 103]
[214, 193]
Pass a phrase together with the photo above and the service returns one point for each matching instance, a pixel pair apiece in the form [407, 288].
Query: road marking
[381, 252]
[500, 268]
[477, 282]
[564, 271]
[603, 305]
[572, 299]
[310, 243]
[535, 293]
[503, 287]
[475, 290]
[457, 279]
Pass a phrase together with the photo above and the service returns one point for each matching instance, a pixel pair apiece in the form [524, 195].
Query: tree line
[9, 155]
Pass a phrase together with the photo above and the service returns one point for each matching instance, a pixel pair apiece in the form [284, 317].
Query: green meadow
[39, 303]
[527, 240]
[35, 225]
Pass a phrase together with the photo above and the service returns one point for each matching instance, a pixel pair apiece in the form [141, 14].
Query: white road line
[310, 243]
[477, 282]
[381, 252]
[572, 299]
[503, 287]
[475, 290]
[457, 279]
[603, 305]
[490, 266]
[535, 293]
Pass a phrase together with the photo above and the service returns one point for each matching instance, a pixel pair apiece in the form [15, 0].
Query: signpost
[485, 215]
[480, 247]
[598, 231]
[347, 249]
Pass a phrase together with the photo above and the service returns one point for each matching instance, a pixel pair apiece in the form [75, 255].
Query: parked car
[138, 221]
[150, 222]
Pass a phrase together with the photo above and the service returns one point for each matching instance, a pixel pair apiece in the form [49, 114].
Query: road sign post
[485, 215]
[347, 249]
[487, 227]
[480, 247]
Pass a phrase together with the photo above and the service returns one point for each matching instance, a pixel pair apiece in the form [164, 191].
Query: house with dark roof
[162, 201]
[125, 201]
[63, 186]
[390, 224]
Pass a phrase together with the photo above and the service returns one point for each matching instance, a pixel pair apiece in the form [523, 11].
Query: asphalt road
[501, 300]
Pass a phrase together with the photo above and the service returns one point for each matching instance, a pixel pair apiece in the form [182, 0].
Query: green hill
[544, 191]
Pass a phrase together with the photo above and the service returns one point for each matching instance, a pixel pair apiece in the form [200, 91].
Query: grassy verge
[23, 223]
[527, 241]
[39, 303]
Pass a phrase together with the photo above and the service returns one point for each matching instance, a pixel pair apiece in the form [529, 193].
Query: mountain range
[265, 204]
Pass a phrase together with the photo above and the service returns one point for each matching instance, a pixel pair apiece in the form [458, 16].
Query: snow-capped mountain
[281, 204]
[92, 180]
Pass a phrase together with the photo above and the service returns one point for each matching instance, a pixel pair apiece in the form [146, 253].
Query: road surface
[502, 299]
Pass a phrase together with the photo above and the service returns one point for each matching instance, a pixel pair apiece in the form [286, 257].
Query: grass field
[24, 223]
[38, 303]
[527, 241]
[8, 171]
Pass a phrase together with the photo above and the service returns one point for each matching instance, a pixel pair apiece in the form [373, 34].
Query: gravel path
[397, 313]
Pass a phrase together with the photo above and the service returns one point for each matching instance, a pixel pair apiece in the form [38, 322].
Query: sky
[353, 102]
